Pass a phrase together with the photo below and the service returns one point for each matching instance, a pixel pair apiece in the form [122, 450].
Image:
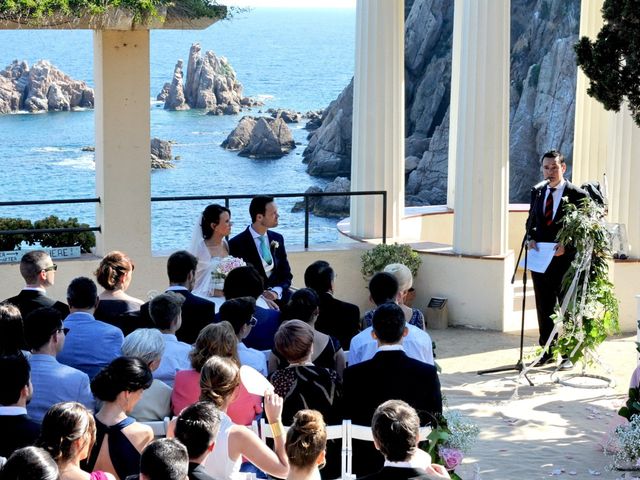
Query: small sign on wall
[11, 256]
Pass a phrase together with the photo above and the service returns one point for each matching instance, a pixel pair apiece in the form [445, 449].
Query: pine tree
[612, 61]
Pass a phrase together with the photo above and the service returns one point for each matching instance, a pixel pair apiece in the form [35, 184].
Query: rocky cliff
[542, 98]
[41, 88]
[210, 84]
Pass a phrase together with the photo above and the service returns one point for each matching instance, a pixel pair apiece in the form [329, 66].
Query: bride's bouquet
[219, 274]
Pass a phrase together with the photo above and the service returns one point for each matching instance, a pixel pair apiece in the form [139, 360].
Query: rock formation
[210, 84]
[542, 100]
[289, 116]
[161, 154]
[260, 137]
[337, 207]
[41, 88]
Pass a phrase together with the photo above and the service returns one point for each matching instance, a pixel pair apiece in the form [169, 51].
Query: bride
[209, 245]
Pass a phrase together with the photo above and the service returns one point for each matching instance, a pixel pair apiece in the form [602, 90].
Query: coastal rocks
[161, 154]
[289, 116]
[333, 207]
[314, 119]
[210, 84]
[260, 137]
[542, 98]
[41, 88]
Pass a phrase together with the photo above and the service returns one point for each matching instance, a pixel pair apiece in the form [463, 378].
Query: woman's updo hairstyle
[294, 340]
[210, 215]
[30, 463]
[124, 374]
[306, 438]
[63, 424]
[218, 380]
[111, 269]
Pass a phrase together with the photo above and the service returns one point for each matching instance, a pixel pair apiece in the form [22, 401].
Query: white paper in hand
[254, 381]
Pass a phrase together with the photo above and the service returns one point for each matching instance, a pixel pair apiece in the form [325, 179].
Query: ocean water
[297, 59]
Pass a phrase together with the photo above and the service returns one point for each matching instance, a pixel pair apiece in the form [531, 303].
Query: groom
[264, 249]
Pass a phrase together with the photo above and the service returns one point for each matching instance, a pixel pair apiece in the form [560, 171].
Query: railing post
[306, 222]
[384, 217]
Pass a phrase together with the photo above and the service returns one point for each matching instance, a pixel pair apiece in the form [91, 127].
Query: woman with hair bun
[68, 434]
[120, 439]
[219, 382]
[306, 445]
[30, 463]
[116, 307]
[209, 245]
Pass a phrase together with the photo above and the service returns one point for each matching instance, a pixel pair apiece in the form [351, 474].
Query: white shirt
[12, 411]
[267, 267]
[557, 195]
[417, 344]
[253, 358]
[175, 357]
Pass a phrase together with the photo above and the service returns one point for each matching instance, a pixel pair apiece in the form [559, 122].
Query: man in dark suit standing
[264, 249]
[543, 225]
[396, 429]
[390, 374]
[38, 271]
[18, 430]
[337, 318]
[197, 312]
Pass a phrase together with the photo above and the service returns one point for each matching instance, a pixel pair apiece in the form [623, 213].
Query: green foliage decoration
[592, 310]
[612, 61]
[85, 240]
[374, 260]
[11, 242]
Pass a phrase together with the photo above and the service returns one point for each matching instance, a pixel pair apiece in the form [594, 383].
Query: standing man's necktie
[264, 249]
[548, 207]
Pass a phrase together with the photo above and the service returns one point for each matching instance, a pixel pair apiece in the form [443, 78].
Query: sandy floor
[550, 429]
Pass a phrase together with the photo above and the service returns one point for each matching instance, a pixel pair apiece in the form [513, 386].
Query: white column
[479, 127]
[590, 134]
[121, 70]
[378, 116]
[623, 172]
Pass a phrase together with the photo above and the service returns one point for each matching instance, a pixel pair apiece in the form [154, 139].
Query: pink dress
[186, 391]
[99, 475]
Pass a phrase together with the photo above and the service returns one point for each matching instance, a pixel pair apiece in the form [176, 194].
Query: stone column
[479, 126]
[623, 172]
[122, 116]
[378, 116]
[590, 134]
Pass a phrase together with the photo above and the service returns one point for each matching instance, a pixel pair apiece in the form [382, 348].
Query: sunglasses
[61, 329]
[253, 322]
[53, 268]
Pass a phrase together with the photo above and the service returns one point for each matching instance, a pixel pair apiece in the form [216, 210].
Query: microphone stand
[524, 247]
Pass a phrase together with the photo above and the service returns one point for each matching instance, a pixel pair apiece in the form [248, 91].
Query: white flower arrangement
[223, 268]
[624, 444]
[274, 244]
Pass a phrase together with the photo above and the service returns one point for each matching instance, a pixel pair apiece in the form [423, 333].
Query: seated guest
[390, 374]
[164, 459]
[337, 318]
[197, 428]
[30, 463]
[52, 381]
[306, 443]
[239, 313]
[11, 331]
[417, 344]
[303, 384]
[403, 275]
[90, 345]
[165, 311]
[120, 386]
[39, 272]
[68, 433]
[247, 282]
[114, 274]
[326, 351]
[148, 345]
[17, 430]
[197, 312]
[219, 381]
[218, 339]
[396, 430]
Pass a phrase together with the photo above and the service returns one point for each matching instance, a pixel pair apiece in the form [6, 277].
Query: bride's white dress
[206, 265]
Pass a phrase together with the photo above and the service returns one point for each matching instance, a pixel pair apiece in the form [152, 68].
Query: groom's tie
[265, 253]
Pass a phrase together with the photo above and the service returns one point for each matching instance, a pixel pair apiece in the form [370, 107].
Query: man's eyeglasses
[53, 268]
[253, 321]
[61, 329]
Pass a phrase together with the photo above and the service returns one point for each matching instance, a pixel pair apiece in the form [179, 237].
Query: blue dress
[124, 456]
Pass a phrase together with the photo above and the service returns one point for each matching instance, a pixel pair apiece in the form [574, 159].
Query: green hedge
[85, 240]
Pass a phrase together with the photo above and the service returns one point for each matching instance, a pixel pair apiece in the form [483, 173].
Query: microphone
[540, 185]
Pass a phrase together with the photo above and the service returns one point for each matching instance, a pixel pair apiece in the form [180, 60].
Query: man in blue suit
[264, 249]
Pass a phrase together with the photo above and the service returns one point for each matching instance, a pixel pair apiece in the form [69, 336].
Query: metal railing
[226, 198]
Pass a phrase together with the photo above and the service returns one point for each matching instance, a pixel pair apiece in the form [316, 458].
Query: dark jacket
[338, 319]
[396, 473]
[29, 300]
[18, 431]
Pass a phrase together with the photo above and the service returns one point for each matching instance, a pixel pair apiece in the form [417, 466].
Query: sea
[299, 59]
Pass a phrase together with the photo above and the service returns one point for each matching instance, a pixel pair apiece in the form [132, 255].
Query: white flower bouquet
[219, 274]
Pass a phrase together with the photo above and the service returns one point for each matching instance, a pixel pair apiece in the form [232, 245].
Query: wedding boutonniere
[274, 244]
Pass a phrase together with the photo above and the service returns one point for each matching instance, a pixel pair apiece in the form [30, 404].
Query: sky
[291, 3]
